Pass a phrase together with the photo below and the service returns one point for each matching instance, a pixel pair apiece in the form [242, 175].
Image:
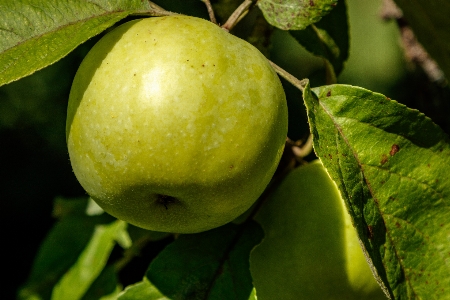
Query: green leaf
[391, 164]
[310, 240]
[105, 284]
[59, 251]
[430, 22]
[138, 234]
[208, 265]
[75, 283]
[35, 34]
[63, 207]
[143, 290]
[295, 14]
[93, 209]
[328, 38]
[253, 295]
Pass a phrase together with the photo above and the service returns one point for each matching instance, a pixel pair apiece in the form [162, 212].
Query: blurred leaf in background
[376, 60]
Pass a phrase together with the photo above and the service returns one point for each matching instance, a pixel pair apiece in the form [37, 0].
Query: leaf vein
[355, 155]
[439, 193]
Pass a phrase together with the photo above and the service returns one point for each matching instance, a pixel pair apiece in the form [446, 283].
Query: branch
[414, 51]
[301, 148]
[210, 11]
[237, 15]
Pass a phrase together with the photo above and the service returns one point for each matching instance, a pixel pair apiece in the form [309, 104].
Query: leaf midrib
[355, 155]
[57, 28]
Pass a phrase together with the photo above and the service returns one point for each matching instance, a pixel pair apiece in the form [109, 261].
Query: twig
[300, 84]
[301, 148]
[414, 51]
[210, 11]
[237, 15]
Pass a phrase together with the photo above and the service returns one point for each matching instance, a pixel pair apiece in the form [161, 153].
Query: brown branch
[414, 51]
[301, 148]
[210, 11]
[238, 14]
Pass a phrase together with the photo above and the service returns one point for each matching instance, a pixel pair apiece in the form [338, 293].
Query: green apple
[310, 249]
[174, 124]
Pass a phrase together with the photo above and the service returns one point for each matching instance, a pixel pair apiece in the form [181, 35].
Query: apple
[310, 240]
[175, 125]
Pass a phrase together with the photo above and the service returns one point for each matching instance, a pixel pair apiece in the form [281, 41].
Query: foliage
[389, 162]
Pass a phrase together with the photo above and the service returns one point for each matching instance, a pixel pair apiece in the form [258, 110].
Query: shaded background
[34, 164]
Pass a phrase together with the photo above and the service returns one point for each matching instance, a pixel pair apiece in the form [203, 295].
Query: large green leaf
[104, 285]
[295, 14]
[143, 290]
[391, 164]
[310, 240]
[76, 282]
[58, 252]
[37, 33]
[431, 22]
[62, 246]
[328, 38]
[208, 265]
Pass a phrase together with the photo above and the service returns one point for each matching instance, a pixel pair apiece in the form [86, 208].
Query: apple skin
[311, 249]
[175, 125]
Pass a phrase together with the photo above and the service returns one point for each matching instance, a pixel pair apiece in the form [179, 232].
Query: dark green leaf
[328, 38]
[75, 283]
[430, 22]
[35, 34]
[143, 290]
[104, 284]
[63, 207]
[391, 165]
[208, 265]
[138, 234]
[295, 14]
[58, 253]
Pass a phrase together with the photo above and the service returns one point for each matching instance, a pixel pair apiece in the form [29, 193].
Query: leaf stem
[210, 11]
[155, 11]
[300, 84]
[238, 14]
[155, 6]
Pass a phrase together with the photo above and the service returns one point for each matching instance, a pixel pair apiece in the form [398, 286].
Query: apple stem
[237, 15]
[300, 84]
[210, 11]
